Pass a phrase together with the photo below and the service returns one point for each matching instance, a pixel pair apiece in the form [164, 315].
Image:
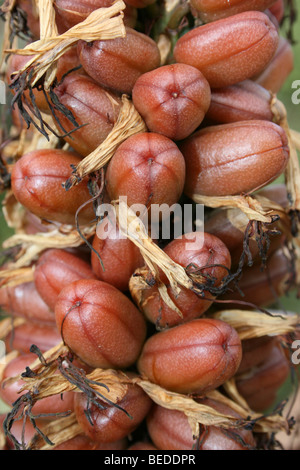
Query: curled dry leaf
[251, 324]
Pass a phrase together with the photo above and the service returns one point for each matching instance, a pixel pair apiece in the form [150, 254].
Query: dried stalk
[251, 324]
[7, 325]
[31, 246]
[15, 277]
[58, 431]
[129, 122]
[249, 205]
[101, 24]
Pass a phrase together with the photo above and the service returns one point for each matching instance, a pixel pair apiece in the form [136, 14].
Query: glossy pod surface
[112, 423]
[240, 102]
[230, 50]
[139, 167]
[206, 253]
[212, 10]
[56, 269]
[94, 108]
[234, 158]
[194, 357]
[120, 257]
[100, 324]
[25, 301]
[278, 69]
[170, 430]
[260, 385]
[172, 99]
[24, 336]
[130, 56]
[37, 180]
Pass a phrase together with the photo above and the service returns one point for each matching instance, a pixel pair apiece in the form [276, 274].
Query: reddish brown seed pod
[117, 63]
[278, 69]
[139, 166]
[141, 445]
[37, 182]
[170, 430]
[194, 357]
[172, 99]
[263, 287]
[231, 225]
[255, 352]
[230, 50]
[9, 392]
[100, 324]
[31, 333]
[259, 386]
[25, 301]
[140, 3]
[119, 256]
[277, 10]
[240, 102]
[56, 269]
[93, 107]
[234, 158]
[205, 253]
[209, 10]
[112, 423]
[70, 13]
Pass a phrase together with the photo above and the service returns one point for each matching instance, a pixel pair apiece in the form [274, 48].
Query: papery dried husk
[202, 414]
[250, 324]
[129, 123]
[291, 441]
[15, 277]
[58, 432]
[101, 24]
[249, 205]
[31, 246]
[295, 135]
[164, 45]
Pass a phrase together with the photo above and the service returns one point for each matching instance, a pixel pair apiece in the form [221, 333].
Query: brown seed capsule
[212, 10]
[240, 102]
[230, 225]
[119, 256]
[230, 50]
[37, 180]
[170, 430]
[278, 69]
[172, 99]
[277, 10]
[82, 442]
[56, 269]
[100, 324]
[31, 333]
[263, 287]
[234, 158]
[117, 63]
[25, 301]
[192, 358]
[112, 423]
[205, 253]
[93, 107]
[255, 351]
[10, 392]
[148, 168]
[259, 386]
[140, 445]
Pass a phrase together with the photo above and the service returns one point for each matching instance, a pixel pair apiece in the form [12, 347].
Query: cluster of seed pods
[209, 130]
